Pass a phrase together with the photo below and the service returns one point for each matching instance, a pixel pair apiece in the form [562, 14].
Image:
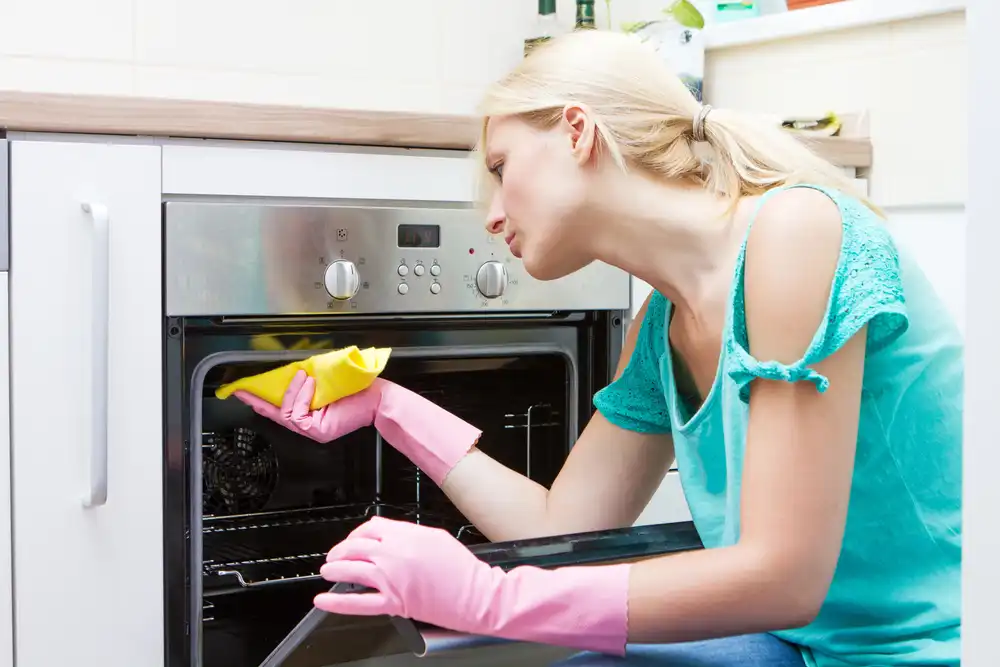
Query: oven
[251, 508]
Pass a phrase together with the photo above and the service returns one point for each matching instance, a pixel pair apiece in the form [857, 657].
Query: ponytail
[749, 158]
[647, 118]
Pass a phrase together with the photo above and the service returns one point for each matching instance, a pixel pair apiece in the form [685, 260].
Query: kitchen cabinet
[89, 572]
[6, 573]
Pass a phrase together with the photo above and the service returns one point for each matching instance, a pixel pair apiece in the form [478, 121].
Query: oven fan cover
[240, 471]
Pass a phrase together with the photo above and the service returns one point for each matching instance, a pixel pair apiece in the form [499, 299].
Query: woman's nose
[495, 217]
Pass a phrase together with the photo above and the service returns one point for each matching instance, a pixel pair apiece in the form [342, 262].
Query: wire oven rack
[279, 548]
[251, 550]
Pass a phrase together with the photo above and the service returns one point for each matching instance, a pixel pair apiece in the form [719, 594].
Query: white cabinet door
[6, 574]
[88, 580]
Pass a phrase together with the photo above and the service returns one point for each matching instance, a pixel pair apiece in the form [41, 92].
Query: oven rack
[536, 416]
[233, 523]
[241, 554]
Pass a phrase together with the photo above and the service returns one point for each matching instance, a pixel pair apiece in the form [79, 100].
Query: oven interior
[272, 503]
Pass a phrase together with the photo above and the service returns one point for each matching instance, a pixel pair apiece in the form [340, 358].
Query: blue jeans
[746, 651]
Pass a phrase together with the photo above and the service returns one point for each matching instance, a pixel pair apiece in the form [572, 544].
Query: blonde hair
[645, 115]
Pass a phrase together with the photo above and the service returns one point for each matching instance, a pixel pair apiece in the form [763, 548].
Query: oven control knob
[342, 280]
[491, 279]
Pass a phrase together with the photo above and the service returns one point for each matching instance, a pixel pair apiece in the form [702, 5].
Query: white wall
[382, 54]
[936, 236]
[911, 76]
[425, 55]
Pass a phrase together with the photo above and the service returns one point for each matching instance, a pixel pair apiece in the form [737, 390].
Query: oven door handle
[97, 491]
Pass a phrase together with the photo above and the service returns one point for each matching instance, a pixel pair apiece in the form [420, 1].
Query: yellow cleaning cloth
[338, 374]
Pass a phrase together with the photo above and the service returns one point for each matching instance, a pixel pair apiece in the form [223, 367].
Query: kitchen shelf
[843, 15]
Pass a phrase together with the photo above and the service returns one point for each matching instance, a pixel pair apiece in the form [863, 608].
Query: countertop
[98, 114]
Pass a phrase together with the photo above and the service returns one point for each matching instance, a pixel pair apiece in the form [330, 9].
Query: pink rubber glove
[432, 438]
[426, 575]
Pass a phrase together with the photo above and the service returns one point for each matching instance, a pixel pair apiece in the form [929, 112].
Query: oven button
[491, 279]
[435, 270]
[342, 280]
[435, 288]
[403, 269]
[403, 288]
[418, 270]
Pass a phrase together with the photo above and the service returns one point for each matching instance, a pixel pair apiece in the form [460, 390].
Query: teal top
[895, 598]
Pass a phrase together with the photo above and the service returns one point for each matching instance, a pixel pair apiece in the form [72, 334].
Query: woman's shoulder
[651, 319]
[822, 235]
[812, 214]
[814, 271]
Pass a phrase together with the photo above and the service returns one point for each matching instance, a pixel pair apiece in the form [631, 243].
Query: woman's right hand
[325, 424]
[431, 437]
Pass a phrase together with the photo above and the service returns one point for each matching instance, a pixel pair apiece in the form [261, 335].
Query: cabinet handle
[97, 493]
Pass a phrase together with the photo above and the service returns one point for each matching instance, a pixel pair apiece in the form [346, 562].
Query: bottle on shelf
[546, 25]
[585, 15]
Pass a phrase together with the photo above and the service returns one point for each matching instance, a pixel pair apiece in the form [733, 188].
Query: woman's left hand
[418, 572]
[427, 575]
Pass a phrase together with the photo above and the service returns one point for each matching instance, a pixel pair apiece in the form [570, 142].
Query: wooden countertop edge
[162, 117]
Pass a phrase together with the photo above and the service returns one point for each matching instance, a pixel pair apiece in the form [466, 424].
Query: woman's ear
[578, 122]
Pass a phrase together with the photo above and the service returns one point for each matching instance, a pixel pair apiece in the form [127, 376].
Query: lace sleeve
[636, 401]
[867, 290]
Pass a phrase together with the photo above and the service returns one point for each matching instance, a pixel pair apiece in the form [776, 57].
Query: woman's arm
[799, 453]
[606, 482]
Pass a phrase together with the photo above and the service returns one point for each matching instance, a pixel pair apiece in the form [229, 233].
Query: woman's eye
[498, 170]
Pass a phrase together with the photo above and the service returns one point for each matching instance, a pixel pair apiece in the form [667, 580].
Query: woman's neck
[679, 239]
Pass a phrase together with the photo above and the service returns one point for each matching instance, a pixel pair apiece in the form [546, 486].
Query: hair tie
[698, 124]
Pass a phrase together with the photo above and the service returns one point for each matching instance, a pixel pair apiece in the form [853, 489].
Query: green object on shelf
[686, 14]
[585, 15]
[735, 11]
[681, 11]
[546, 26]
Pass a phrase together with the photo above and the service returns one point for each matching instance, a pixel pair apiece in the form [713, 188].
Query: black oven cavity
[273, 502]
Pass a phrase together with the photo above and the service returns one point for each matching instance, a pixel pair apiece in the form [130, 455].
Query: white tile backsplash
[75, 29]
[301, 89]
[59, 75]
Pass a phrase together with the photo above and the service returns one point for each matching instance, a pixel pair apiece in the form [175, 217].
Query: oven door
[251, 508]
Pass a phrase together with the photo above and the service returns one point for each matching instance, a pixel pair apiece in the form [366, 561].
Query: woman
[793, 359]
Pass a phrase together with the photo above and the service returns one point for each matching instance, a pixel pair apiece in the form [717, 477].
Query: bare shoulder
[791, 260]
[798, 220]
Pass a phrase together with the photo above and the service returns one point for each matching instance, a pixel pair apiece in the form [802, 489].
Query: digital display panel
[418, 236]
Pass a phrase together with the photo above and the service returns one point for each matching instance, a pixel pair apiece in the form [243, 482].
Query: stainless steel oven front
[250, 508]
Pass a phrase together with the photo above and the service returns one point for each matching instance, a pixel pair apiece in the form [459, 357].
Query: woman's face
[541, 184]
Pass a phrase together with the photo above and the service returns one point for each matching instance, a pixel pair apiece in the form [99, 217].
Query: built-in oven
[250, 507]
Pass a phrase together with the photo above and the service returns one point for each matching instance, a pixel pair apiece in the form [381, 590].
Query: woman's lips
[513, 249]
